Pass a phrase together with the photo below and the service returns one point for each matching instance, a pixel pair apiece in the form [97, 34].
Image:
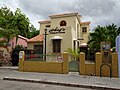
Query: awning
[56, 37]
[83, 45]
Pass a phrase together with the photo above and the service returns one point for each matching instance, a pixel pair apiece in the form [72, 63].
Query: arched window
[63, 23]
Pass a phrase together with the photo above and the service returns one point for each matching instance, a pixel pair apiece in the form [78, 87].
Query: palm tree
[73, 53]
[112, 33]
[106, 34]
[96, 37]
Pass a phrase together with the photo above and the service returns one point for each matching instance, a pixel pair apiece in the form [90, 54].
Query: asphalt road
[16, 85]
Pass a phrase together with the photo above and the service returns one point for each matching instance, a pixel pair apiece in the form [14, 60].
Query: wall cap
[82, 53]
[98, 53]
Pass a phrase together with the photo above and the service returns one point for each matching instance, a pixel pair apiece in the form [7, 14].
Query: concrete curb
[60, 83]
[9, 68]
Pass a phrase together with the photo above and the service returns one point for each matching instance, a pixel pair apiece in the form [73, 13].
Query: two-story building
[63, 31]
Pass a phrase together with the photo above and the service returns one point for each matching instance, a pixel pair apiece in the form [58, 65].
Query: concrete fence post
[98, 62]
[65, 63]
[82, 63]
[21, 60]
[114, 64]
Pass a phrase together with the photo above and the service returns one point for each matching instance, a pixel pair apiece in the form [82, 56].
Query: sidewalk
[72, 79]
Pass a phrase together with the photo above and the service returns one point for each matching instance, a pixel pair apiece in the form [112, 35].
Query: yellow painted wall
[62, 67]
[90, 69]
[87, 69]
[114, 64]
[44, 67]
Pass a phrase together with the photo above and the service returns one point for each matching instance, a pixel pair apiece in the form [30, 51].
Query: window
[84, 29]
[63, 23]
[57, 46]
[38, 49]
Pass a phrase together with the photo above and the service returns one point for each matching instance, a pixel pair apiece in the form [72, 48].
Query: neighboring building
[36, 44]
[12, 43]
[20, 41]
[64, 31]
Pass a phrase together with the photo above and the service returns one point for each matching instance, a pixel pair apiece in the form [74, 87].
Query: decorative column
[65, 63]
[98, 62]
[21, 60]
[82, 63]
[114, 64]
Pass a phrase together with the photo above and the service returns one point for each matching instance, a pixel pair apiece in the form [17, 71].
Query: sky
[98, 12]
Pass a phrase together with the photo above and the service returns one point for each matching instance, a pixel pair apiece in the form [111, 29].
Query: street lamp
[45, 43]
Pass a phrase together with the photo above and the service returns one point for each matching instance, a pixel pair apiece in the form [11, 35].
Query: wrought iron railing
[41, 57]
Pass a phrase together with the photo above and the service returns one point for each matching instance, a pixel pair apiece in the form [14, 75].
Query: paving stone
[71, 79]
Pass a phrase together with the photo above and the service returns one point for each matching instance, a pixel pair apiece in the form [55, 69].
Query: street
[16, 85]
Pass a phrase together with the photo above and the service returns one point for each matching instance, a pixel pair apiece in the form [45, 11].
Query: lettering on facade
[57, 31]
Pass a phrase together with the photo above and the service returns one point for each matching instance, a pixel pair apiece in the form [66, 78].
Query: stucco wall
[66, 41]
[43, 27]
[91, 69]
[46, 67]
[85, 35]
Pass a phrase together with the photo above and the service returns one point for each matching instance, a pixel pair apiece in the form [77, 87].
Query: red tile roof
[38, 38]
[23, 37]
[85, 23]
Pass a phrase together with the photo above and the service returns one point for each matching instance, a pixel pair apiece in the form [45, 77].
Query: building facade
[64, 31]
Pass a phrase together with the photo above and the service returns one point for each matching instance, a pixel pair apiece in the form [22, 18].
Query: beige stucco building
[63, 31]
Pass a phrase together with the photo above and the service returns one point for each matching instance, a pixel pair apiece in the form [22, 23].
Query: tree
[7, 34]
[6, 17]
[21, 23]
[112, 33]
[32, 32]
[96, 37]
[14, 24]
[107, 33]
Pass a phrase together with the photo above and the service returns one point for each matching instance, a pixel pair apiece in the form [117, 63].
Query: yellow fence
[94, 68]
[45, 67]
[63, 68]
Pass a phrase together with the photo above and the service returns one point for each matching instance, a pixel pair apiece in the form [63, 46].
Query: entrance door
[74, 66]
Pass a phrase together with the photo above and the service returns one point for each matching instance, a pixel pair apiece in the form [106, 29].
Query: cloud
[99, 12]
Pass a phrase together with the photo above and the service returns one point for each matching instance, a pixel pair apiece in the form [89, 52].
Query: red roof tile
[38, 38]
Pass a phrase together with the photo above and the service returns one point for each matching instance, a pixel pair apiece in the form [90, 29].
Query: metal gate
[74, 66]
